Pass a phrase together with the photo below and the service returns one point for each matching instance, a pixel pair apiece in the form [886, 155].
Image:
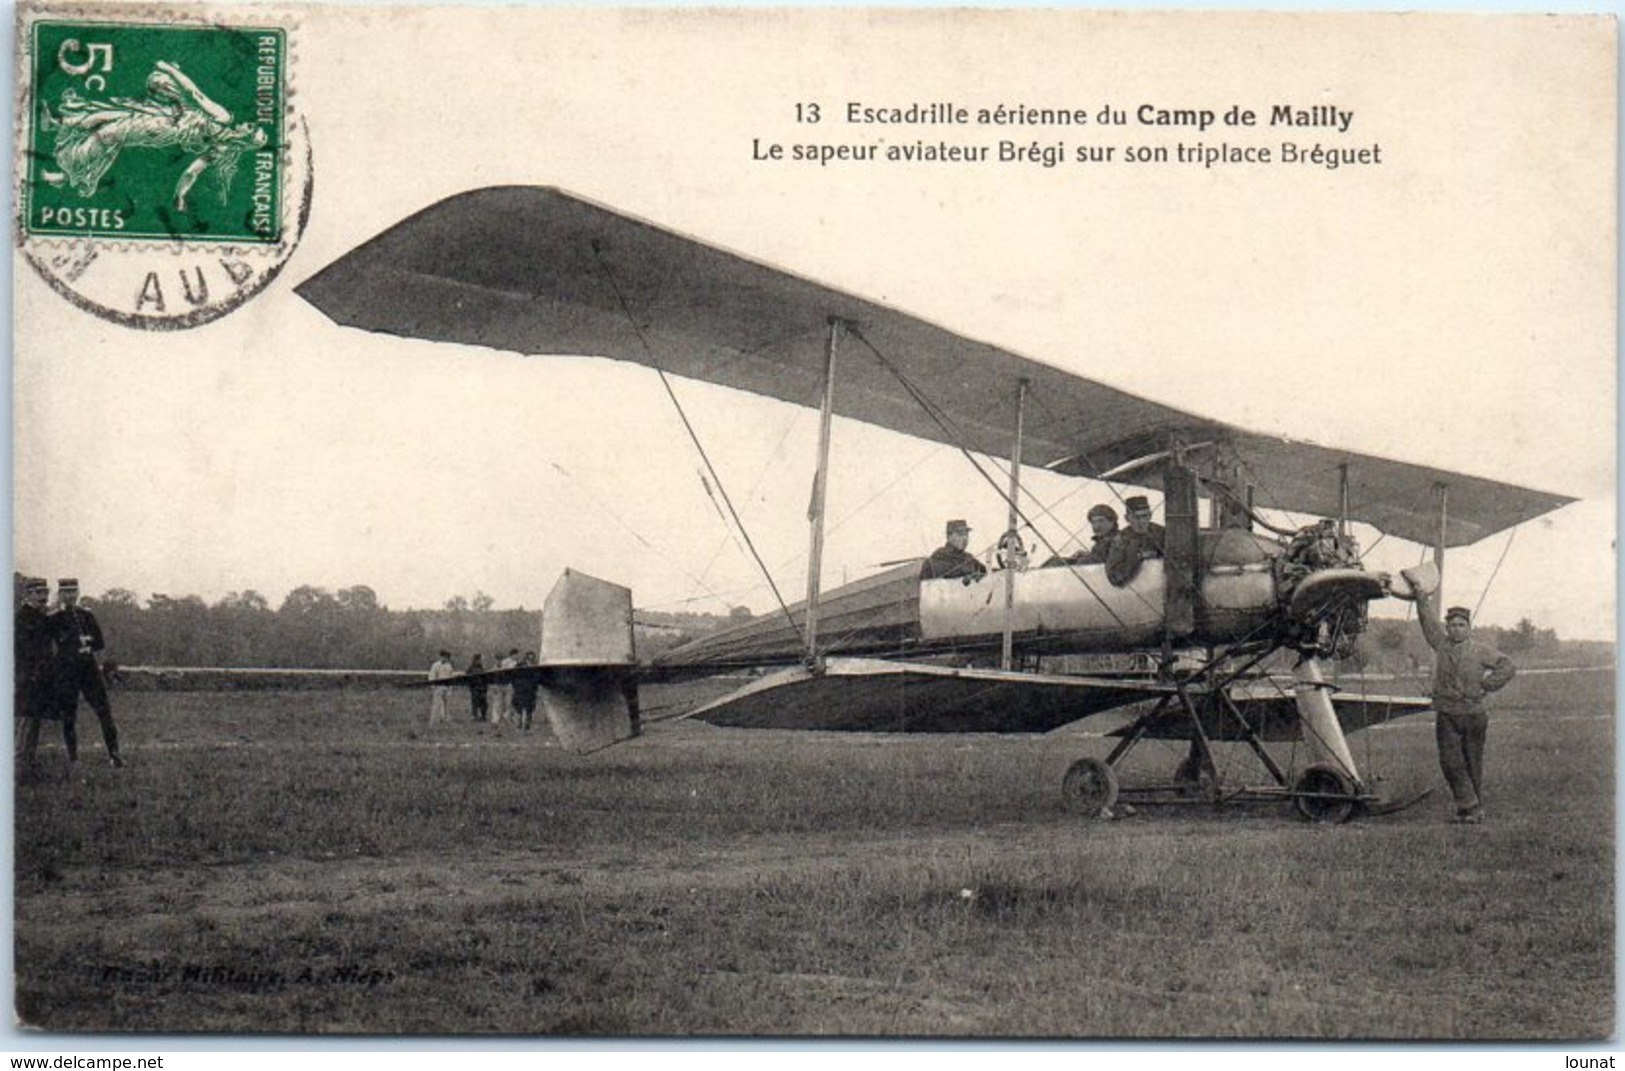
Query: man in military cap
[1464, 672]
[78, 671]
[1103, 523]
[952, 559]
[1142, 540]
[33, 649]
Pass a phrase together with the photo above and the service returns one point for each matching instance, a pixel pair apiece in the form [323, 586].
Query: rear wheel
[1089, 788]
[1324, 793]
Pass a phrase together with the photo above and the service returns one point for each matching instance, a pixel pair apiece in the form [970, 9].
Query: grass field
[322, 862]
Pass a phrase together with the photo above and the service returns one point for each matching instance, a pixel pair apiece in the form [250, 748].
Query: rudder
[589, 687]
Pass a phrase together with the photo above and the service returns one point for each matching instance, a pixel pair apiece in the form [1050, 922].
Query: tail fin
[589, 691]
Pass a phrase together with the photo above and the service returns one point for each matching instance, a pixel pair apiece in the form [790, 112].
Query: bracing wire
[730, 538]
[694, 437]
[618, 519]
[1511, 533]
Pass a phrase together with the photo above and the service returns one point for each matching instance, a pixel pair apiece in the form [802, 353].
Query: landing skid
[1327, 792]
[1394, 806]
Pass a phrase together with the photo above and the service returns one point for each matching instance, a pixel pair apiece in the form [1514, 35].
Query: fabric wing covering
[873, 695]
[535, 270]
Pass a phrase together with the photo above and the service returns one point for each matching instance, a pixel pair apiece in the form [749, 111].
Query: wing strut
[815, 511]
[1011, 538]
[1343, 498]
[1442, 492]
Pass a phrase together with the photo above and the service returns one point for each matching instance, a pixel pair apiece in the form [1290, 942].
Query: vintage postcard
[869, 523]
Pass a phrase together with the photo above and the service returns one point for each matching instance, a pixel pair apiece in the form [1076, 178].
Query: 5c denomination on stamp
[164, 177]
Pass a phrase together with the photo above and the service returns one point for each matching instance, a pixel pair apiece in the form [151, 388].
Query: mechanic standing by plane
[1464, 672]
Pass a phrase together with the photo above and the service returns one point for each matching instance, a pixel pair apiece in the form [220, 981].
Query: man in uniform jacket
[1103, 523]
[952, 559]
[34, 656]
[1464, 672]
[78, 670]
[1140, 541]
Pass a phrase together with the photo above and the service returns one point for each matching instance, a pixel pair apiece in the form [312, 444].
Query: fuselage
[1054, 610]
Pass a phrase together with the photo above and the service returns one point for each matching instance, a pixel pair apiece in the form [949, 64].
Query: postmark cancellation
[163, 174]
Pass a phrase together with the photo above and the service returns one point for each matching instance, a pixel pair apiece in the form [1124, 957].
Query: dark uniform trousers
[80, 675]
[1461, 737]
[34, 694]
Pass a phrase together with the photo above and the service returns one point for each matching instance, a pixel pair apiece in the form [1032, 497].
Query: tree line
[318, 628]
[1396, 646]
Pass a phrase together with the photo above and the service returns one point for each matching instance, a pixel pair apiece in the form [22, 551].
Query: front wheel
[1326, 794]
[1089, 788]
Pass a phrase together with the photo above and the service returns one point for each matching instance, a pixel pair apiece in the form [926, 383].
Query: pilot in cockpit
[952, 559]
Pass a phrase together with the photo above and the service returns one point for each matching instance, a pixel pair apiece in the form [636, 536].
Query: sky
[1452, 305]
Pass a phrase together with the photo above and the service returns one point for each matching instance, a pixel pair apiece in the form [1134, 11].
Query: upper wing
[1396, 497]
[536, 270]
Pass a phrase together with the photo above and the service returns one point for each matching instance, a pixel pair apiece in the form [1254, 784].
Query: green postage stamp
[156, 131]
[160, 180]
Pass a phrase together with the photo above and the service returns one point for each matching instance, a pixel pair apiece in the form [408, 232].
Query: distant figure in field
[952, 559]
[1141, 542]
[438, 694]
[478, 705]
[1464, 672]
[524, 693]
[1103, 523]
[79, 672]
[34, 658]
[503, 708]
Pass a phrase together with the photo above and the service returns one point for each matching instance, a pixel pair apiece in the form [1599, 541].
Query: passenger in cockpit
[1141, 541]
[1103, 522]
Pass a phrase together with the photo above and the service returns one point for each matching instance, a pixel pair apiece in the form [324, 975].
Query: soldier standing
[525, 686]
[478, 689]
[1464, 672]
[78, 671]
[33, 651]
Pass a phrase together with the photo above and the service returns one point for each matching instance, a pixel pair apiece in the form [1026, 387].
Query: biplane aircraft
[539, 271]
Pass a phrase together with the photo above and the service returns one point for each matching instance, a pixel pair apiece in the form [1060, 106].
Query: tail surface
[589, 685]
